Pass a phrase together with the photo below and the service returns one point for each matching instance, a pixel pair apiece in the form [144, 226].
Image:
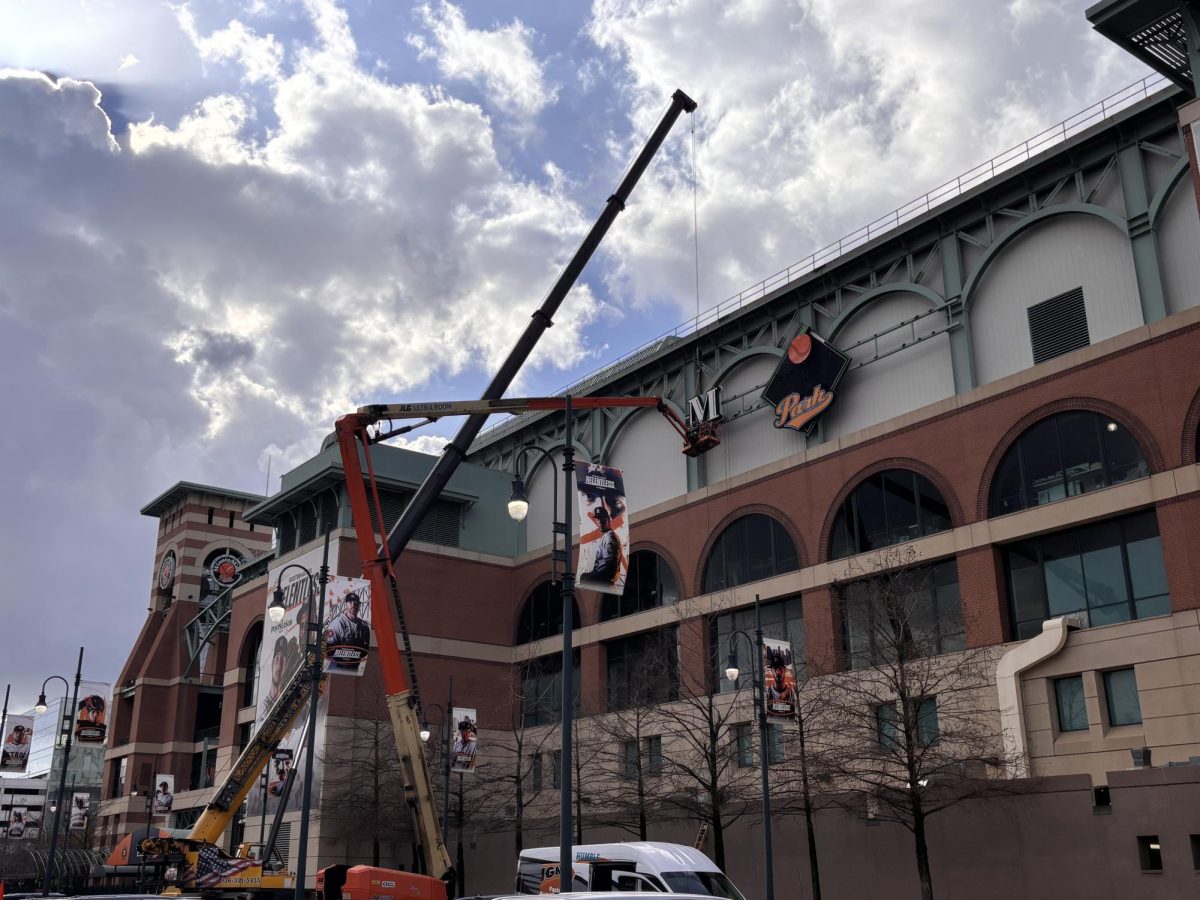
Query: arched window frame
[251, 659]
[1015, 484]
[529, 627]
[931, 513]
[643, 590]
[733, 549]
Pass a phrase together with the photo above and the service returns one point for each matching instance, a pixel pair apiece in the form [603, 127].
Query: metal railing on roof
[973, 177]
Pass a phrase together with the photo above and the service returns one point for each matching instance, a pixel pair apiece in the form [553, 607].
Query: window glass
[1007, 489]
[1121, 695]
[869, 506]
[923, 606]
[887, 726]
[774, 744]
[1079, 444]
[541, 689]
[927, 721]
[1089, 571]
[1103, 565]
[1147, 574]
[899, 490]
[935, 514]
[643, 669]
[648, 583]
[1043, 464]
[541, 616]
[782, 619]
[653, 763]
[744, 736]
[1125, 460]
[840, 545]
[750, 549]
[1063, 570]
[887, 508]
[1063, 456]
[1072, 709]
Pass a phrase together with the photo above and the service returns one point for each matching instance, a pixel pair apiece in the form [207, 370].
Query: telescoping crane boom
[206, 867]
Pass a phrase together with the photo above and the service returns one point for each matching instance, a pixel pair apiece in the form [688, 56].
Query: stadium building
[1019, 412]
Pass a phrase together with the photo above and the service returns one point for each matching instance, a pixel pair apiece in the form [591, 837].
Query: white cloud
[818, 117]
[260, 57]
[501, 61]
[208, 294]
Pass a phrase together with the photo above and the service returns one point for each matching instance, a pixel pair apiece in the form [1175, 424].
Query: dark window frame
[1114, 719]
[623, 660]
[789, 627]
[1063, 721]
[1026, 498]
[541, 689]
[636, 597]
[1035, 548]
[727, 564]
[848, 537]
[949, 629]
[541, 614]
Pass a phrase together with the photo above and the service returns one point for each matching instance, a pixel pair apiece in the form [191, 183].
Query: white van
[650, 866]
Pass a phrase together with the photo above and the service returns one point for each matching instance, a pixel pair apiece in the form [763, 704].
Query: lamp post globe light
[66, 725]
[518, 509]
[757, 678]
[316, 626]
[447, 747]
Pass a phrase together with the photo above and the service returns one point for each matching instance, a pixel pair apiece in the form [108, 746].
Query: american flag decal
[212, 867]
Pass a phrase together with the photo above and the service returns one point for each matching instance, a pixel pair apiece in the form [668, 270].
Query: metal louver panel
[441, 525]
[1058, 325]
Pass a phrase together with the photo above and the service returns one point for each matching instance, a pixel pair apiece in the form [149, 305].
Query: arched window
[887, 508]
[649, 583]
[752, 548]
[250, 659]
[1062, 456]
[542, 615]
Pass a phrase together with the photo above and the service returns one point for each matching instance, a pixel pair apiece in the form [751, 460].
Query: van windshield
[710, 884]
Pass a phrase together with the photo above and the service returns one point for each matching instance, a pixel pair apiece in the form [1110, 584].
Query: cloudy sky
[224, 223]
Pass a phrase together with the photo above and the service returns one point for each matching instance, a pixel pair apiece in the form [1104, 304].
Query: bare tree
[913, 729]
[362, 788]
[630, 745]
[705, 776]
[519, 771]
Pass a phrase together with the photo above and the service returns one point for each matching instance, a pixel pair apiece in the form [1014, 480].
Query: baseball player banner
[17, 817]
[779, 677]
[603, 528]
[347, 625]
[14, 752]
[462, 754]
[91, 717]
[164, 793]
[81, 811]
[281, 658]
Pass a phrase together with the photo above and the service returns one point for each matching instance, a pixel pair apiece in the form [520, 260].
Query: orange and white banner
[603, 528]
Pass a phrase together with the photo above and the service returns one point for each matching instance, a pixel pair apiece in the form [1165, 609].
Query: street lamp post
[447, 747]
[62, 780]
[313, 654]
[518, 507]
[757, 676]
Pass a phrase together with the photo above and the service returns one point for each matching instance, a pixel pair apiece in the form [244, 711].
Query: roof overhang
[1155, 31]
[179, 491]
